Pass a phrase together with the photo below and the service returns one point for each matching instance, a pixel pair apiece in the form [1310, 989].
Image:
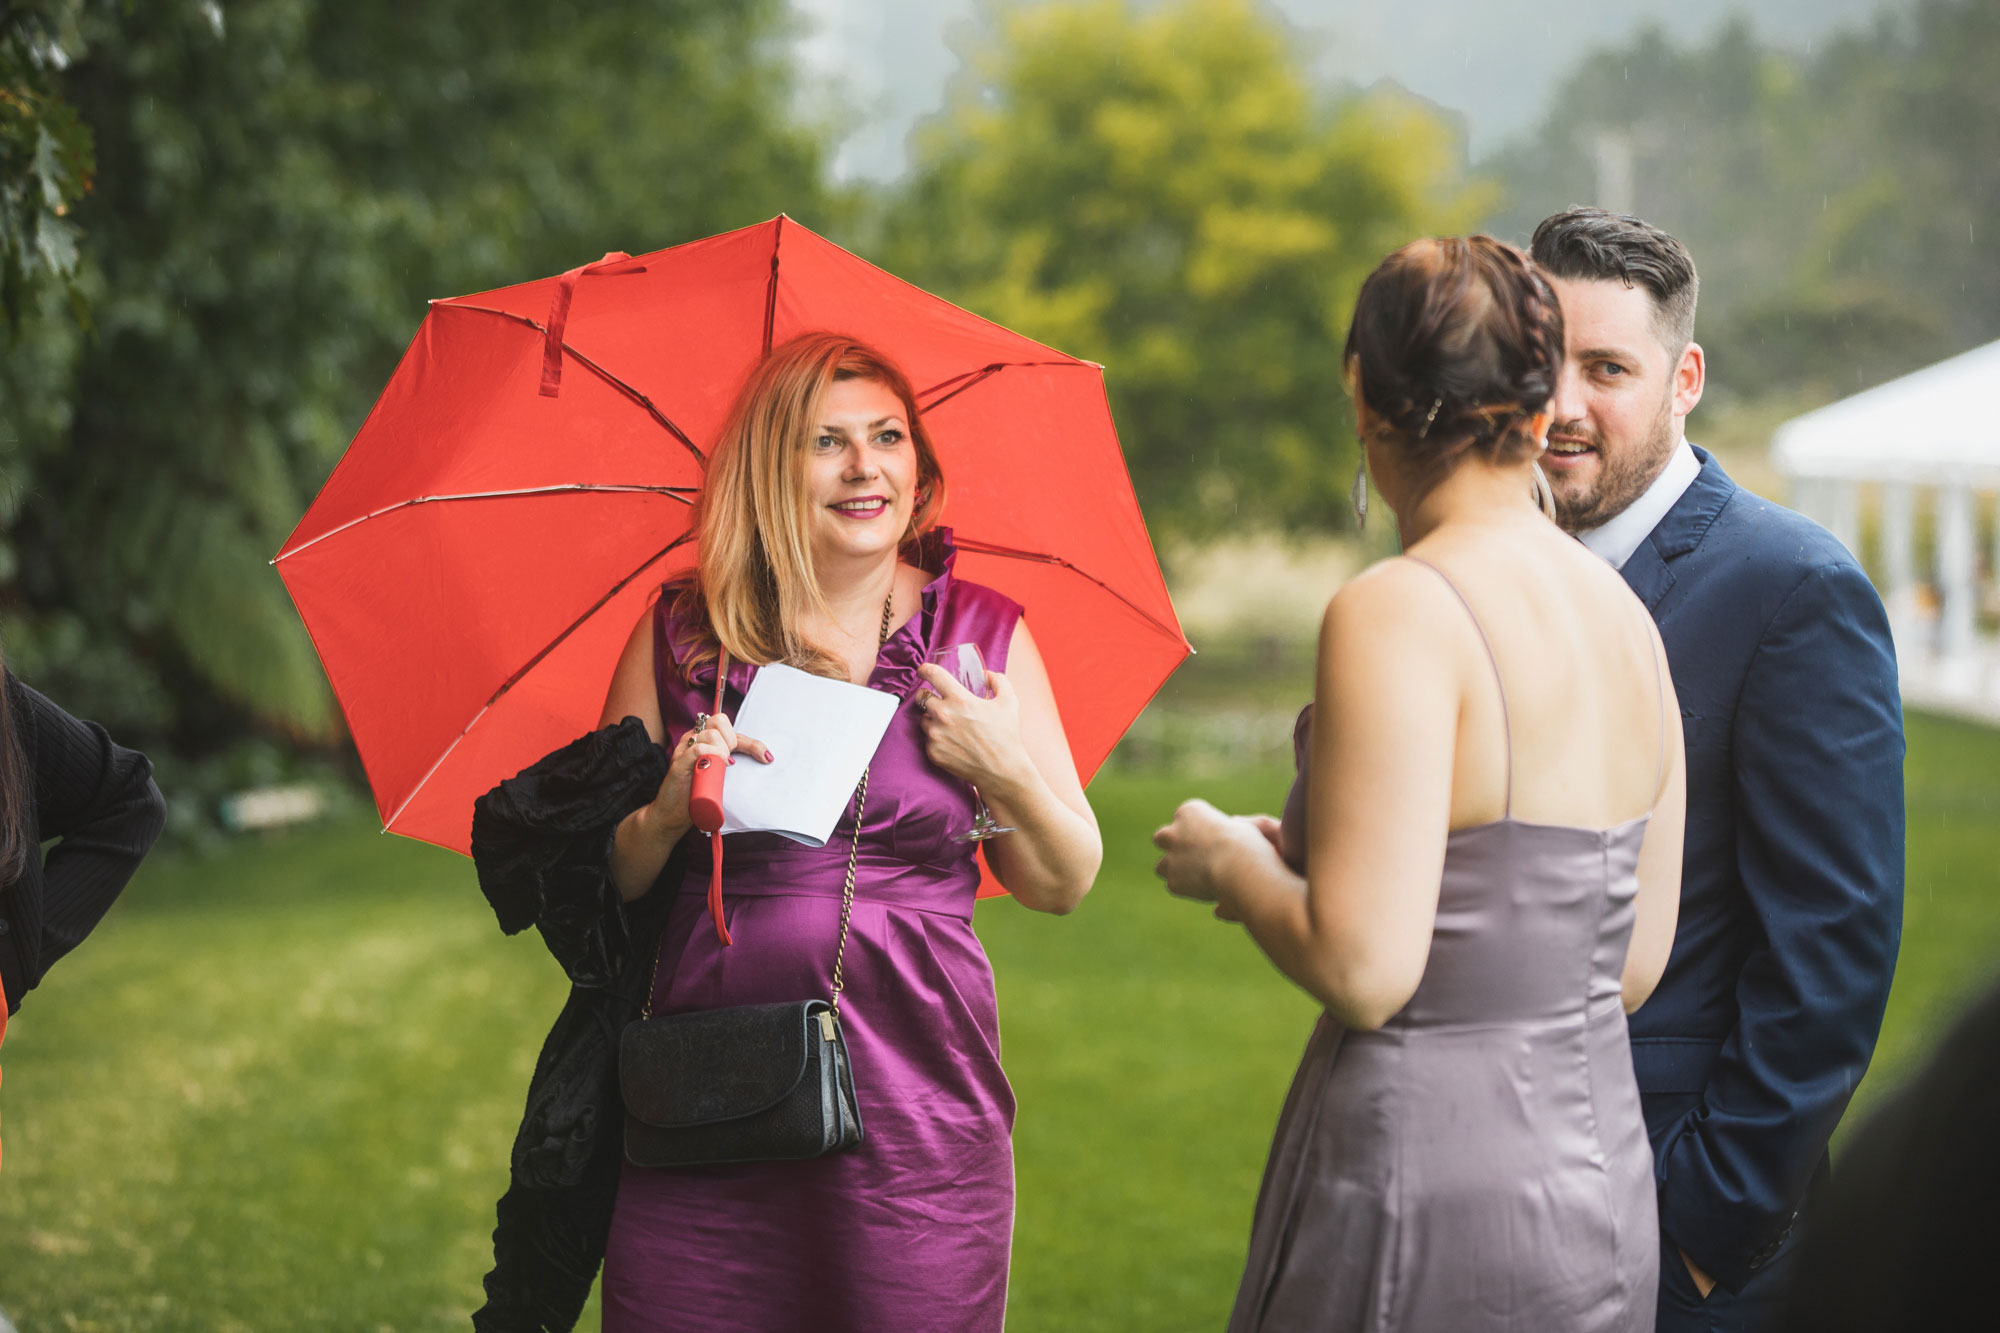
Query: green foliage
[1842, 205]
[1162, 189]
[274, 200]
[45, 152]
[277, 1089]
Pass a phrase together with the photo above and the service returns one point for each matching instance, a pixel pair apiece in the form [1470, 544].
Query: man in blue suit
[1792, 886]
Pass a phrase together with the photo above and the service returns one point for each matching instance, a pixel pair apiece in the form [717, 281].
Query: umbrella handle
[705, 805]
[705, 795]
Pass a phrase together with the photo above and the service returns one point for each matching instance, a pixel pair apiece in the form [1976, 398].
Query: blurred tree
[45, 148]
[1841, 205]
[273, 202]
[44, 151]
[1160, 188]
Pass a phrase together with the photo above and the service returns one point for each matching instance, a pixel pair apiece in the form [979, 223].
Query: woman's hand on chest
[975, 740]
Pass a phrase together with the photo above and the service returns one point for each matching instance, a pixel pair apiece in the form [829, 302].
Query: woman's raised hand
[975, 740]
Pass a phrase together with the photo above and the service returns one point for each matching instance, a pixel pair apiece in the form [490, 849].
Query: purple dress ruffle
[911, 1230]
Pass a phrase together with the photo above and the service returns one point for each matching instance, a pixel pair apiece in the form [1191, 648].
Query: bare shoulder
[639, 644]
[1605, 592]
[1021, 646]
[1589, 567]
[633, 691]
[1396, 612]
[1397, 593]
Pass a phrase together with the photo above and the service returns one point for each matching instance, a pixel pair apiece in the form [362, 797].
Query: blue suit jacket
[1792, 886]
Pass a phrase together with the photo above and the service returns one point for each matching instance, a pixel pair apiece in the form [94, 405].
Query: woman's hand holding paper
[718, 740]
[648, 835]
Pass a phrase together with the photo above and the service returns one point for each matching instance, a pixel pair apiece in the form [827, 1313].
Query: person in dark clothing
[66, 780]
[1902, 1233]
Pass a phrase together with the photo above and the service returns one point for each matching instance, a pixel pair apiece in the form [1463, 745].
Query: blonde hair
[754, 579]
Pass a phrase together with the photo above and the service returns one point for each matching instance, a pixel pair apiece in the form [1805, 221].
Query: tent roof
[1938, 424]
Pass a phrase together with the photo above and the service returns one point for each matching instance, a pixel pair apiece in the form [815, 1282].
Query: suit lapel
[1649, 572]
[1648, 575]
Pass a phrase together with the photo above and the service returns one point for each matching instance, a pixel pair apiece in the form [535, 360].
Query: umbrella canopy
[473, 567]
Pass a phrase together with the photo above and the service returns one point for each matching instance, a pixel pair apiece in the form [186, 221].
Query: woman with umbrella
[524, 484]
[817, 550]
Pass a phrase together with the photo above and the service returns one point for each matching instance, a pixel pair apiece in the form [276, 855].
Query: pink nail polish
[768, 756]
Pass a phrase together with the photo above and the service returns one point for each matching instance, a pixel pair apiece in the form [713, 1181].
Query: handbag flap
[715, 1064]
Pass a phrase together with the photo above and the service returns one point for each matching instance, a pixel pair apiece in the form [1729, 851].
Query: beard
[1623, 474]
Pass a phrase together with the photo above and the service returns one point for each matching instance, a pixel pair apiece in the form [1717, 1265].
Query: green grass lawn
[277, 1088]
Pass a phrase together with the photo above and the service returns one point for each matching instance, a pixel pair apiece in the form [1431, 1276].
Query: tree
[272, 204]
[1162, 189]
[1834, 202]
[44, 152]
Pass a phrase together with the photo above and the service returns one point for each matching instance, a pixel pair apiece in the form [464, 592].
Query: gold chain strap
[854, 850]
[847, 892]
[853, 858]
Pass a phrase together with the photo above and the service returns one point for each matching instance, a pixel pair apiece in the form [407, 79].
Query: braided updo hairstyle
[1458, 342]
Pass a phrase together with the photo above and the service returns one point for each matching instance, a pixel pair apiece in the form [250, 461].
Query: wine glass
[968, 667]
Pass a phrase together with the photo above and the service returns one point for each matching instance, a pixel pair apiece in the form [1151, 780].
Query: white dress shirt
[1619, 537]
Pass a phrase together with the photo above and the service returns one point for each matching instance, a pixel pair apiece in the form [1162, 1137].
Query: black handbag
[750, 1083]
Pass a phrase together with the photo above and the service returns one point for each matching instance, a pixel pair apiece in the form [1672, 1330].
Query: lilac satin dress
[910, 1231]
[1478, 1163]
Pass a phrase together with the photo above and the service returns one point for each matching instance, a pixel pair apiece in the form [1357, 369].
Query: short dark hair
[1595, 244]
[1458, 342]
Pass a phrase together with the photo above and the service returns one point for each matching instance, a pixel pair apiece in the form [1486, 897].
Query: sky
[886, 62]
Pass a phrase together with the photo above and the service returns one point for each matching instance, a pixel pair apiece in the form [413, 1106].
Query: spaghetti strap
[1506, 719]
[1656, 651]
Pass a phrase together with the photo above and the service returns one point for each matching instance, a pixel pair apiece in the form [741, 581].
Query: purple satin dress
[1479, 1163]
[911, 1230]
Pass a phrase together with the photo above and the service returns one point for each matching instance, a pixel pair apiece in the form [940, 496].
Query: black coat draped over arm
[541, 842]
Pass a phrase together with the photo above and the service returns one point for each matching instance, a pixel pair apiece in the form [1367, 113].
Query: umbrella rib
[665, 422]
[1037, 557]
[681, 493]
[972, 377]
[531, 664]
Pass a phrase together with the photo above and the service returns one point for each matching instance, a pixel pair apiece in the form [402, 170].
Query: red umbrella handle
[705, 795]
[705, 805]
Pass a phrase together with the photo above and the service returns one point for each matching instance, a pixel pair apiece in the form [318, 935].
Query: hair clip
[1431, 416]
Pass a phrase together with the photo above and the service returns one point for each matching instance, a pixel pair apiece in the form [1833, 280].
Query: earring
[1545, 494]
[1359, 495]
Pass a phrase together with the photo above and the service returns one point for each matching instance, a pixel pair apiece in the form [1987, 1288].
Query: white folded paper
[822, 733]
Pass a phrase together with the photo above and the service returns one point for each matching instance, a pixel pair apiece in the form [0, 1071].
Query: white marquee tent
[1928, 441]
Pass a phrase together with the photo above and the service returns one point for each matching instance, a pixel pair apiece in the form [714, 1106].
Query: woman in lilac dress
[1478, 872]
[817, 550]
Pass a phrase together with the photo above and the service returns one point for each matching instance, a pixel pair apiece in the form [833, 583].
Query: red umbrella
[471, 570]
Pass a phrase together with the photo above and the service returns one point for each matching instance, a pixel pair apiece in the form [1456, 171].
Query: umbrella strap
[552, 331]
[715, 839]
